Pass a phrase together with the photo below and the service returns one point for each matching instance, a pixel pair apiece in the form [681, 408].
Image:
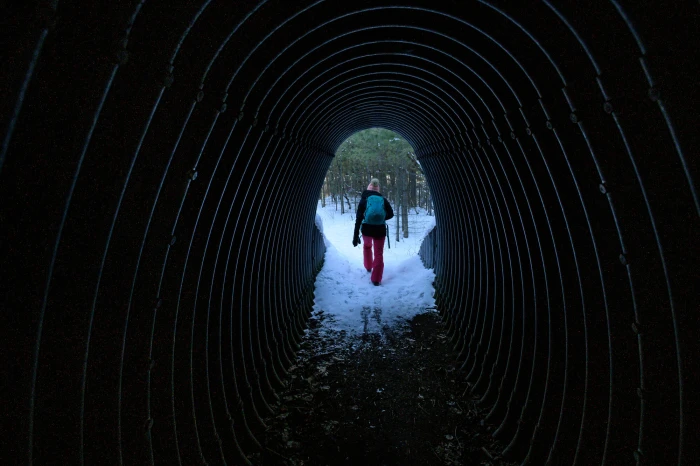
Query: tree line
[382, 154]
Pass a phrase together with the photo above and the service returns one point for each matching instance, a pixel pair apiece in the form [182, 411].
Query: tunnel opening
[159, 174]
[366, 249]
[381, 154]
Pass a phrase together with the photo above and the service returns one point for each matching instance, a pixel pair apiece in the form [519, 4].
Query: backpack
[374, 213]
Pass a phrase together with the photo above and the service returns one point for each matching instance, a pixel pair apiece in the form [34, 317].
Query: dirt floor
[380, 399]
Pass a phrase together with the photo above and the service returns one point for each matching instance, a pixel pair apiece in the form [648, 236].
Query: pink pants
[376, 264]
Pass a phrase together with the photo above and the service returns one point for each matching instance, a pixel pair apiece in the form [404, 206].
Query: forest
[382, 154]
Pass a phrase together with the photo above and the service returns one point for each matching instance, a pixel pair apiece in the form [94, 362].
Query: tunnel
[159, 171]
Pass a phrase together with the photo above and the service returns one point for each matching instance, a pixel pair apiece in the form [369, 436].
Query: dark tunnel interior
[159, 171]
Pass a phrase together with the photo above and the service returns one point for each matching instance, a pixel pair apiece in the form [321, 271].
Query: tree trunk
[404, 205]
[412, 187]
[397, 209]
[341, 188]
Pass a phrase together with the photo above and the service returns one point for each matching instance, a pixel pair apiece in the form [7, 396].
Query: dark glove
[355, 240]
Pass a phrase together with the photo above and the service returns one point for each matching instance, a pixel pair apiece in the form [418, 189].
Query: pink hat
[373, 185]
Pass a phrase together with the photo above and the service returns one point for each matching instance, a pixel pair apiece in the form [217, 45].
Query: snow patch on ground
[344, 292]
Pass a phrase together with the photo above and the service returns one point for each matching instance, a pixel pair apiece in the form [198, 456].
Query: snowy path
[344, 292]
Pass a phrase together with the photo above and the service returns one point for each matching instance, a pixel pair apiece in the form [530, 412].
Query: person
[374, 231]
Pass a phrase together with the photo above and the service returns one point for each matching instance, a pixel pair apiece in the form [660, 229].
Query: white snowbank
[319, 222]
[344, 291]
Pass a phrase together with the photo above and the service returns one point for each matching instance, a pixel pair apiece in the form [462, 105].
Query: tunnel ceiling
[159, 169]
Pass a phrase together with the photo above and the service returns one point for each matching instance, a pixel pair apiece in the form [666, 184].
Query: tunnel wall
[159, 172]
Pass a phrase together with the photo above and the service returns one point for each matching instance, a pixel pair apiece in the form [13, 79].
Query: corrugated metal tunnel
[159, 172]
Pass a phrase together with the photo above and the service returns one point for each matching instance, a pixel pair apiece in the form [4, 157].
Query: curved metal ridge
[159, 172]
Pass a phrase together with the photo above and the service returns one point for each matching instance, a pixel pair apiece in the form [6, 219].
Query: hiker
[372, 214]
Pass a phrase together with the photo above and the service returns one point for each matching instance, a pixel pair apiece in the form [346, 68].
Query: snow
[344, 292]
